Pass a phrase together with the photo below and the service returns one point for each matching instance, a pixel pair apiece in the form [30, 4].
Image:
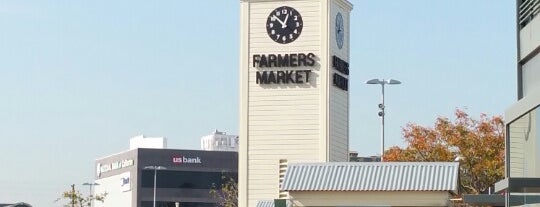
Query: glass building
[522, 183]
[185, 177]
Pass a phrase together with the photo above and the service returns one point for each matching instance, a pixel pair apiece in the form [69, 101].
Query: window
[172, 204]
[181, 179]
[528, 9]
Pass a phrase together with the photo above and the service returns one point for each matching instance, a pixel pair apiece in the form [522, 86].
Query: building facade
[219, 141]
[142, 141]
[522, 182]
[353, 157]
[20, 204]
[294, 97]
[334, 184]
[183, 176]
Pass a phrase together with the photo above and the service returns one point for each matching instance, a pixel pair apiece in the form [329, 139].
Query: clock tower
[294, 90]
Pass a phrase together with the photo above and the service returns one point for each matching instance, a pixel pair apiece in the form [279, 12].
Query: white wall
[338, 98]
[529, 37]
[116, 194]
[295, 122]
[344, 198]
[524, 145]
[147, 142]
[283, 120]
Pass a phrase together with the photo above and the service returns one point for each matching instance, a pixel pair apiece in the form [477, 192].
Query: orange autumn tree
[477, 144]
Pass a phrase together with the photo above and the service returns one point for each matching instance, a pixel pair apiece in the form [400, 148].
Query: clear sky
[79, 78]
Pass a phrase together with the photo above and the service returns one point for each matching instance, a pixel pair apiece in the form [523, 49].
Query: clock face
[284, 25]
[340, 30]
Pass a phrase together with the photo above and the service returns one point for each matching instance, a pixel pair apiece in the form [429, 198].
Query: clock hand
[284, 25]
[279, 20]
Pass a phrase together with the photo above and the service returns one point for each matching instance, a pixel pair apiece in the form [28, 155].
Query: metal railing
[527, 10]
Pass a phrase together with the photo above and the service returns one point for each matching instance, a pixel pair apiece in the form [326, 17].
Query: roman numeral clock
[284, 24]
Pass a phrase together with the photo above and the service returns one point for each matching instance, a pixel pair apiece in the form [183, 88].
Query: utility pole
[73, 199]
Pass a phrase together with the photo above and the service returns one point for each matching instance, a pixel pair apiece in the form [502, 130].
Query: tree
[76, 198]
[477, 144]
[227, 193]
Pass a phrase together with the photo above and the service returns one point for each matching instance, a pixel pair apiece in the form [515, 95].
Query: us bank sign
[179, 159]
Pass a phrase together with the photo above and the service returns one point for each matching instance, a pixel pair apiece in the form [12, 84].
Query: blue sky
[79, 78]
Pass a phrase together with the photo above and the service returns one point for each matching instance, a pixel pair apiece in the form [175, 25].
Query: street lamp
[91, 192]
[155, 168]
[381, 105]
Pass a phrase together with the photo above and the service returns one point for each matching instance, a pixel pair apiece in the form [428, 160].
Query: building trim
[484, 200]
[518, 56]
[522, 185]
[529, 56]
[243, 155]
[523, 106]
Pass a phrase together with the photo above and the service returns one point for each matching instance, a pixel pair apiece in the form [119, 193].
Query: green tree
[227, 193]
[75, 198]
[477, 144]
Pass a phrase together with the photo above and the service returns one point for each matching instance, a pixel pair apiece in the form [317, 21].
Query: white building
[219, 141]
[141, 141]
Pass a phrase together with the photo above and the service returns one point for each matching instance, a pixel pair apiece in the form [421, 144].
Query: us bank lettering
[293, 60]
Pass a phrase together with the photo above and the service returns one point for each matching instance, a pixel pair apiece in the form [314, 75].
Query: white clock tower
[294, 90]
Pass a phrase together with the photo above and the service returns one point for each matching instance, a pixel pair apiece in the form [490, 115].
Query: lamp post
[155, 168]
[381, 105]
[91, 192]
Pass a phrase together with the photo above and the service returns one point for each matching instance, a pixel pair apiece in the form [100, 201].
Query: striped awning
[372, 176]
